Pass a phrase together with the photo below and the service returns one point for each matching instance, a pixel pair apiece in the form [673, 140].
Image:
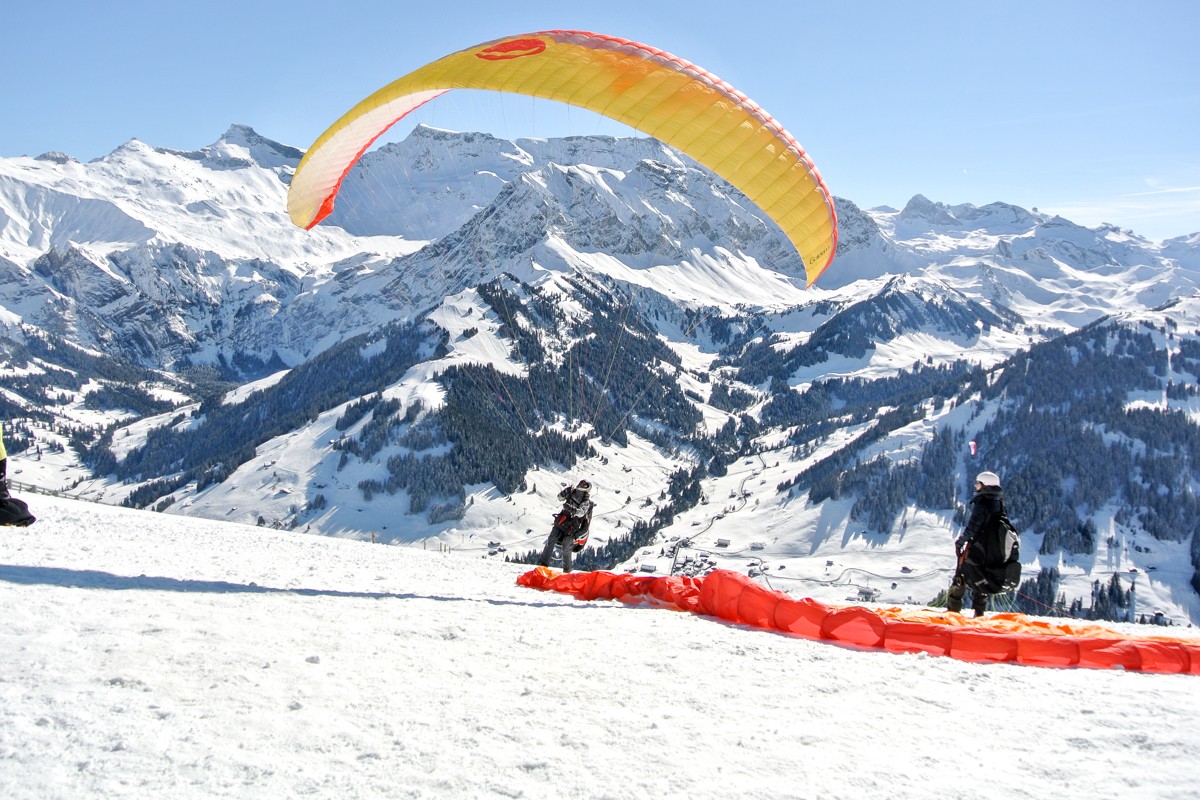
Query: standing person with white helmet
[986, 549]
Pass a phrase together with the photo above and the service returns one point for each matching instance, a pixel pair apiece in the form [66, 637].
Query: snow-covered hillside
[175, 258]
[144, 655]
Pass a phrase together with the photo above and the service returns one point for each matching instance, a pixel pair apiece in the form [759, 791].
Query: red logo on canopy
[517, 48]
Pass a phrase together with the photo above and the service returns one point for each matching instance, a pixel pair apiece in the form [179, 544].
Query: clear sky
[1088, 108]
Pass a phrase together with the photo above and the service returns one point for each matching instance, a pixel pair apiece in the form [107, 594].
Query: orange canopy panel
[1014, 638]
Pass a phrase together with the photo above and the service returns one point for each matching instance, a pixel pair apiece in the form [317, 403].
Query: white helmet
[988, 479]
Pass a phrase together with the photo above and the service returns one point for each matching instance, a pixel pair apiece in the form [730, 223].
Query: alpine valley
[481, 321]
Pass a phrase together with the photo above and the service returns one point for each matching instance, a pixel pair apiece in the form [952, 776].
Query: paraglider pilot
[12, 511]
[980, 547]
[3, 468]
[571, 524]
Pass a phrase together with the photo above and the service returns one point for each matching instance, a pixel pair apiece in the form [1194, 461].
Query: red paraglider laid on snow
[1014, 638]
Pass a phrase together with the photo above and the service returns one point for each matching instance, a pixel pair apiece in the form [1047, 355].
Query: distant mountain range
[481, 320]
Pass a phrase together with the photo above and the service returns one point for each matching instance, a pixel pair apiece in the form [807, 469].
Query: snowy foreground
[152, 656]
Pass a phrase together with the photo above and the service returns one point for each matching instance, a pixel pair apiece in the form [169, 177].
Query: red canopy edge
[1015, 638]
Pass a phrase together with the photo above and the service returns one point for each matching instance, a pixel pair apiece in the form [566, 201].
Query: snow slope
[146, 655]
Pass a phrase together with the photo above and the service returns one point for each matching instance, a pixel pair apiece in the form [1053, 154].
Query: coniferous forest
[1056, 420]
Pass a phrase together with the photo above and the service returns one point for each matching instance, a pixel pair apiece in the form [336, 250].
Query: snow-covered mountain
[484, 319]
[161, 255]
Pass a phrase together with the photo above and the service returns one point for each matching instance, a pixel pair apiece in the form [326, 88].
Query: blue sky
[1088, 109]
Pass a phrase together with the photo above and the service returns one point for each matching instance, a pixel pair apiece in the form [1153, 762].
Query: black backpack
[14, 512]
[993, 563]
[1009, 573]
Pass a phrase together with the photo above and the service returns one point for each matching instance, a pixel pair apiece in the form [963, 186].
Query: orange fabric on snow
[1016, 638]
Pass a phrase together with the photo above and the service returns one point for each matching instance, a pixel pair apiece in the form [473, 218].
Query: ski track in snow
[144, 655]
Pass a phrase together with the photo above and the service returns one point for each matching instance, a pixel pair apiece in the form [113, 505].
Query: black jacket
[983, 540]
[577, 506]
[986, 507]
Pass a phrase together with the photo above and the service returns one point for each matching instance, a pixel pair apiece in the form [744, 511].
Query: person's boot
[980, 605]
[547, 553]
[954, 599]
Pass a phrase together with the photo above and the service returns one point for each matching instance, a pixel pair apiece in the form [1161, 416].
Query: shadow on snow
[95, 579]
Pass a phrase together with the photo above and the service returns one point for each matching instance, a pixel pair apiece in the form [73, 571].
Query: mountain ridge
[604, 303]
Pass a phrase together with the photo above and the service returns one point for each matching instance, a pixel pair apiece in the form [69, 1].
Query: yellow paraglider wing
[656, 93]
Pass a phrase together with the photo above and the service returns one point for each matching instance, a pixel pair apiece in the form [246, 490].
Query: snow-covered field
[148, 655]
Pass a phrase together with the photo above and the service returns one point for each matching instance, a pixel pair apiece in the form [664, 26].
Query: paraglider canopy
[650, 90]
